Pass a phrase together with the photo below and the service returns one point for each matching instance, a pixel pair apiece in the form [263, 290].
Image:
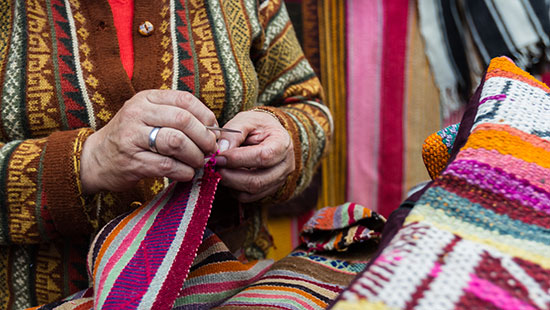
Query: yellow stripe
[362, 304]
[532, 251]
[509, 141]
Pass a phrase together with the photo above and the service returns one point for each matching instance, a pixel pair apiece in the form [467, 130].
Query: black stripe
[214, 258]
[483, 23]
[300, 287]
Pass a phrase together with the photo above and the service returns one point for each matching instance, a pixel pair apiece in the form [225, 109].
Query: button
[146, 28]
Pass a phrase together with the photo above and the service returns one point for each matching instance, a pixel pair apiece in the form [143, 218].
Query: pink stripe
[534, 173]
[280, 295]
[488, 291]
[351, 218]
[188, 250]
[212, 288]
[390, 163]
[364, 26]
[435, 270]
[129, 239]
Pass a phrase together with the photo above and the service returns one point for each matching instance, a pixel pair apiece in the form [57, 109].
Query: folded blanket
[479, 237]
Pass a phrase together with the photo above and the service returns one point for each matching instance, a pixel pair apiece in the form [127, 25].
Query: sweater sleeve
[39, 180]
[40, 191]
[290, 90]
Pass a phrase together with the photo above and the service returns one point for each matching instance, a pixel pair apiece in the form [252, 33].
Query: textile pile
[479, 237]
[462, 36]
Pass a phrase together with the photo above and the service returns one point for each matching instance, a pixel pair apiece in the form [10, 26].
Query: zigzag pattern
[77, 115]
[186, 70]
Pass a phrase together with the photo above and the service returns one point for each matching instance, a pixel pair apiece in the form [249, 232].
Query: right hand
[117, 156]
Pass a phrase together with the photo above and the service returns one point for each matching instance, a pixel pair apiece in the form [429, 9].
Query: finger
[267, 154]
[186, 101]
[254, 181]
[246, 197]
[150, 164]
[185, 122]
[173, 143]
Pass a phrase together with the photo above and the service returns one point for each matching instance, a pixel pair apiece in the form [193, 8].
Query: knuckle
[185, 98]
[166, 165]
[182, 117]
[266, 156]
[254, 184]
[174, 140]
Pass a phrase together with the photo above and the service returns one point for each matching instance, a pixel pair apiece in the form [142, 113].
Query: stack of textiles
[462, 36]
[143, 260]
[479, 236]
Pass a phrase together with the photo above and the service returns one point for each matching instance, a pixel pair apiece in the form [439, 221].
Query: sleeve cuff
[65, 201]
[288, 189]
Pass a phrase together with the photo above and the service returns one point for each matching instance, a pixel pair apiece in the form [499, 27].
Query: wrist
[89, 166]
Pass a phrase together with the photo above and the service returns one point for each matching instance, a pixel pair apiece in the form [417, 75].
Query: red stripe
[390, 164]
[187, 252]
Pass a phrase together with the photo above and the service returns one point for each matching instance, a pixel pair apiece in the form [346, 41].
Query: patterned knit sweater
[61, 78]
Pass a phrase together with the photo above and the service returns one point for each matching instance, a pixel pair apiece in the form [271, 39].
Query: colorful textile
[61, 78]
[216, 275]
[336, 228]
[436, 150]
[387, 108]
[479, 237]
[299, 281]
[140, 261]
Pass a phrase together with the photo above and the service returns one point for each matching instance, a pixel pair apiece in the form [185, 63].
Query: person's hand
[117, 156]
[257, 162]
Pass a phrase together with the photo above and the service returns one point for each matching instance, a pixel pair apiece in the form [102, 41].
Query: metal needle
[222, 129]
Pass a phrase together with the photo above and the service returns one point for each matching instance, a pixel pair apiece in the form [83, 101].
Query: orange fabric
[123, 14]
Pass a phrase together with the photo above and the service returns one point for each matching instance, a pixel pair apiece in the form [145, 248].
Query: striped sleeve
[290, 89]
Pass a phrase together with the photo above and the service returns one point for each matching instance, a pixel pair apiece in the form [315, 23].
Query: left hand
[257, 162]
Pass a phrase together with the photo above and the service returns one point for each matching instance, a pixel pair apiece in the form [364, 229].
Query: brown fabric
[61, 182]
[105, 53]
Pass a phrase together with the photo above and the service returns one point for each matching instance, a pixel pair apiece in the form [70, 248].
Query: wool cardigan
[61, 79]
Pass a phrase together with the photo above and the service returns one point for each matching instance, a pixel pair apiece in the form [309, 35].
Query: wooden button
[146, 28]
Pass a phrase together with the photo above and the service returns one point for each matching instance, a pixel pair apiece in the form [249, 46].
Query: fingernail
[224, 145]
[221, 161]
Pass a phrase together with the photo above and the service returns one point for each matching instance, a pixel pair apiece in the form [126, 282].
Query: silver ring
[153, 139]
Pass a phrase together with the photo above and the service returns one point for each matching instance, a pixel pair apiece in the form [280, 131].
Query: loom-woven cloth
[479, 237]
[337, 228]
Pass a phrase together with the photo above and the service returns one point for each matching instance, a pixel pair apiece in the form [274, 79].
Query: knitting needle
[222, 129]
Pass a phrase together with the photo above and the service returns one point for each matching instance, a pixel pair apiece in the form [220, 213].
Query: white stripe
[443, 67]
[160, 276]
[108, 282]
[176, 60]
[214, 278]
[535, 291]
[449, 285]
[503, 31]
[80, 77]
[518, 24]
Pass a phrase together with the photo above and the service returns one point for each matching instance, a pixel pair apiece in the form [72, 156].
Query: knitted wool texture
[61, 78]
[336, 228]
[436, 149]
[479, 238]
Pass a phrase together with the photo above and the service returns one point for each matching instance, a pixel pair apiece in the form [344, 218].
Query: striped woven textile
[216, 275]
[142, 259]
[301, 280]
[337, 228]
[479, 237]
